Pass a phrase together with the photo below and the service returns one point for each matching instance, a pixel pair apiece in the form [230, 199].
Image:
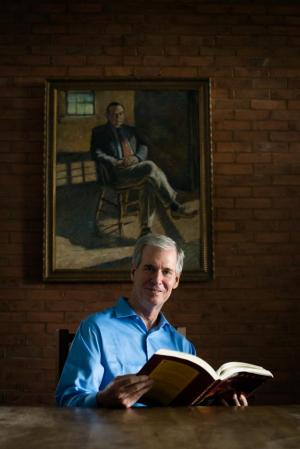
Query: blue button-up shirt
[111, 343]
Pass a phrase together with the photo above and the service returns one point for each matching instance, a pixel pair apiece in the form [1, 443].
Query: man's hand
[127, 161]
[124, 391]
[239, 400]
[130, 160]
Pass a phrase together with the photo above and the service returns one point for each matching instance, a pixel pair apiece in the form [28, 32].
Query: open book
[184, 379]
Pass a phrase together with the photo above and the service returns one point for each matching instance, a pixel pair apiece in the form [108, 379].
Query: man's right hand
[124, 391]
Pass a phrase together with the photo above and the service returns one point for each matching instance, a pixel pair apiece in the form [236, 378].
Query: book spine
[191, 392]
[203, 395]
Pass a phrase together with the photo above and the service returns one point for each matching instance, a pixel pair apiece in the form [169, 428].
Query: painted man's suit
[107, 151]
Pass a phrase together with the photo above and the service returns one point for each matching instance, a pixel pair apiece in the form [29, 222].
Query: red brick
[33, 60]
[44, 317]
[161, 61]
[253, 203]
[224, 203]
[272, 214]
[272, 237]
[19, 328]
[284, 94]
[222, 93]
[84, 7]
[271, 125]
[270, 83]
[145, 72]
[234, 237]
[252, 72]
[48, 71]
[251, 93]
[236, 169]
[234, 214]
[232, 83]
[190, 61]
[104, 60]
[286, 115]
[225, 226]
[49, 28]
[118, 71]
[287, 180]
[289, 136]
[232, 104]
[285, 72]
[293, 156]
[178, 72]
[253, 158]
[224, 157]
[85, 71]
[234, 192]
[286, 203]
[270, 146]
[268, 104]
[133, 60]
[233, 146]
[221, 135]
[63, 305]
[270, 191]
[171, 50]
[252, 136]
[72, 60]
[233, 124]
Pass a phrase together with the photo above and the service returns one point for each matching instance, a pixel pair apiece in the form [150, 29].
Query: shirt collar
[124, 310]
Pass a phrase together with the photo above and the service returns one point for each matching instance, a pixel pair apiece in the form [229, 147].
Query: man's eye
[148, 268]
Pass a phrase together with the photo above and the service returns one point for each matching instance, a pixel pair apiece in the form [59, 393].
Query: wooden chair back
[65, 338]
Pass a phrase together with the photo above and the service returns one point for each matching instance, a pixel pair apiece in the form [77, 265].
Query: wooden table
[257, 427]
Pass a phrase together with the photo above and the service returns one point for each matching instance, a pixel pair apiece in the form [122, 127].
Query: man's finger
[135, 387]
[132, 397]
[128, 379]
[236, 400]
[243, 400]
[240, 400]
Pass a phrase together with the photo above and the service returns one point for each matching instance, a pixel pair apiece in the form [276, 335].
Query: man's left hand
[239, 400]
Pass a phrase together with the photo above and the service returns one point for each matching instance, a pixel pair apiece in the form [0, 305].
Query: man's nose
[157, 276]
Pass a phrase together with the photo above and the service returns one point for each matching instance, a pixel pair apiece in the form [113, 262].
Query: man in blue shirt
[111, 346]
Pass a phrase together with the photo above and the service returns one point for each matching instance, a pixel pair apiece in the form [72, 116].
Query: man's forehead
[118, 108]
[151, 252]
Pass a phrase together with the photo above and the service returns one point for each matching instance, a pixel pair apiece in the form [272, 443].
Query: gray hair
[160, 241]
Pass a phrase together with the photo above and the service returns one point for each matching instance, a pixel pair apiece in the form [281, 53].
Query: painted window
[80, 103]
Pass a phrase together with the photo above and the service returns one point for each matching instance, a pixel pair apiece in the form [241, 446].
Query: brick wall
[250, 51]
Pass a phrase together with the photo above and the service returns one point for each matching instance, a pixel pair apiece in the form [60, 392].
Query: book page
[191, 358]
[170, 379]
[230, 368]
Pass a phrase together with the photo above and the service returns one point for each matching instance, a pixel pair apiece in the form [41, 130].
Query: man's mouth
[154, 290]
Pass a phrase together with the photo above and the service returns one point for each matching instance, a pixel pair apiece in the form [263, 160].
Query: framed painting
[124, 158]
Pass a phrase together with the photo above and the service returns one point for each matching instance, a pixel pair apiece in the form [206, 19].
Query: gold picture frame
[89, 237]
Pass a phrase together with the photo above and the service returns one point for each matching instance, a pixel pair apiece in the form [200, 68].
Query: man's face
[155, 277]
[116, 116]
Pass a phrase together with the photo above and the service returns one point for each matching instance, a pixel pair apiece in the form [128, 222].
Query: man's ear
[177, 279]
[132, 272]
